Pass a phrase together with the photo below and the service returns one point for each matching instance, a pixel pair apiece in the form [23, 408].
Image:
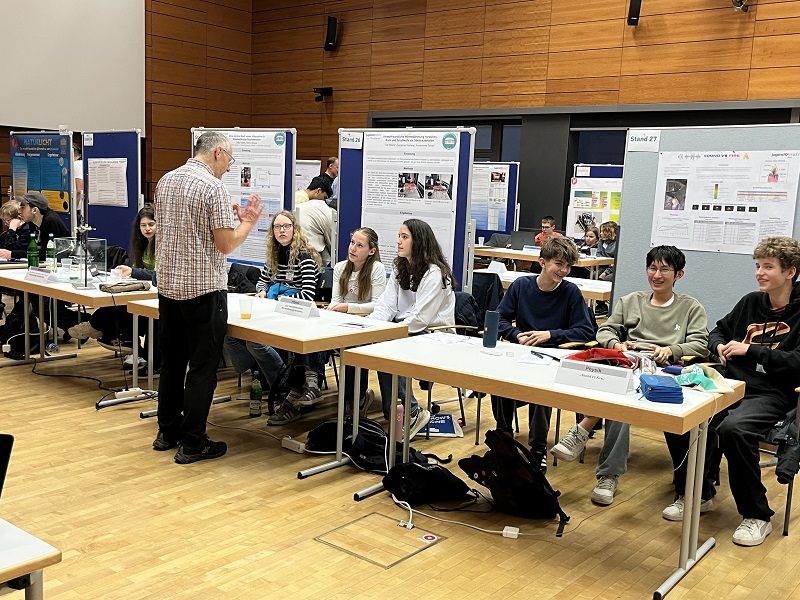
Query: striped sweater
[302, 275]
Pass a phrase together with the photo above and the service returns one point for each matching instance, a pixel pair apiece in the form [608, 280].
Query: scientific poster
[724, 201]
[305, 171]
[42, 162]
[108, 181]
[489, 200]
[593, 200]
[259, 168]
[410, 174]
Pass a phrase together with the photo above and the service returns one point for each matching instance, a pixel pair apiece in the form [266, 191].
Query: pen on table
[540, 355]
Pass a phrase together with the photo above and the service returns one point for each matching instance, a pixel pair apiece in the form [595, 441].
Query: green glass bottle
[33, 253]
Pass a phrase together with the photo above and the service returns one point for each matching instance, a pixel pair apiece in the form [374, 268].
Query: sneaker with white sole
[84, 330]
[419, 421]
[128, 362]
[674, 512]
[603, 493]
[752, 532]
[571, 445]
[309, 396]
[286, 413]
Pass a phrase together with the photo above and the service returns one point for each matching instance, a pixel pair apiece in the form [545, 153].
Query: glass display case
[81, 263]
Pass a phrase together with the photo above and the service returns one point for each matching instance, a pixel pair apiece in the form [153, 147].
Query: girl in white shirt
[358, 282]
[420, 293]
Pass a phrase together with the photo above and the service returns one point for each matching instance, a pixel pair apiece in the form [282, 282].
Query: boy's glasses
[663, 270]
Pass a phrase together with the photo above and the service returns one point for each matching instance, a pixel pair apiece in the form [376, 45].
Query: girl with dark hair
[358, 283]
[143, 244]
[420, 293]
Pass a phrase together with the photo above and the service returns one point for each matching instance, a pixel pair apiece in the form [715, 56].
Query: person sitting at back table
[548, 230]
[316, 217]
[606, 248]
[591, 238]
[542, 311]
[15, 239]
[659, 321]
[358, 283]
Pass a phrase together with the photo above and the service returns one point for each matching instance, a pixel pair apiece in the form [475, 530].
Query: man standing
[316, 217]
[196, 231]
[331, 175]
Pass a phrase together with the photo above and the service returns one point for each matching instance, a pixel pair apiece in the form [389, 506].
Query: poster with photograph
[724, 201]
[410, 174]
[593, 200]
[489, 200]
[305, 171]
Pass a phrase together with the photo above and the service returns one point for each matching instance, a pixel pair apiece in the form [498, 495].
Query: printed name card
[605, 378]
[296, 307]
[39, 275]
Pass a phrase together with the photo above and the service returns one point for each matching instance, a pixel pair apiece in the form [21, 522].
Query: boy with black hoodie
[759, 343]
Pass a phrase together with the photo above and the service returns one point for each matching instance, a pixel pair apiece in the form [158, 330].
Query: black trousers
[538, 421]
[738, 429]
[190, 332]
[349, 383]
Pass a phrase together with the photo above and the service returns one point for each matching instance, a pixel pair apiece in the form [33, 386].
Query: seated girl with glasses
[294, 264]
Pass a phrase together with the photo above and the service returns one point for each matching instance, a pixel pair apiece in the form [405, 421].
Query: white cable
[411, 511]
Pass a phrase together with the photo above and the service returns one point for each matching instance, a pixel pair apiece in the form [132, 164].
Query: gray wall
[717, 280]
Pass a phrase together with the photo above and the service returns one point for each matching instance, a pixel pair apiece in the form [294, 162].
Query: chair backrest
[487, 289]
[499, 240]
[466, 311]
[324, 291]
[242, 279]
[115, 256]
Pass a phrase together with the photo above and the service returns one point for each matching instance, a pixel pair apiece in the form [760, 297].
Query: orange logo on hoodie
[759, 331]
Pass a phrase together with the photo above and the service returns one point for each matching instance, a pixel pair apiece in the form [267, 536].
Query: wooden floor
[133, 524]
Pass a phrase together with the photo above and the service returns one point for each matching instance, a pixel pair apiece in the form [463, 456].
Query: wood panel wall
[255, 62]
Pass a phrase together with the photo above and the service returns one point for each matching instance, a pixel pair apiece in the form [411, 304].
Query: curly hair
[610, 229]
[425, 251]
[560, 248]
[140, 245]
[785, 249]
[298, 244]
[365, 274]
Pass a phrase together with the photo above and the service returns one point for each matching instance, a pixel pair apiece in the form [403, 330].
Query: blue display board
[113, 223]
[351, 186]
[42, 162]
[510, 188]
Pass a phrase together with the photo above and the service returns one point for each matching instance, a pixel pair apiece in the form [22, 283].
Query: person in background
[196, 231]
[34, 209]
[15, 239]
[591, 238]
[316, 217]
[77, 174]
[548, 230]
[358, 283]
[331, 175]
[607, 248]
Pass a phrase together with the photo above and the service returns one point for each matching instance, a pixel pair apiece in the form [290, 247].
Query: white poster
[724, 201]
[108, 181]
[305, 171]
[489, 200]
[593, 200]
[410, 174]
[259, 168]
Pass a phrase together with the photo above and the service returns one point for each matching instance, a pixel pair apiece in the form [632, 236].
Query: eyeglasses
[663, 270]
[284, 227]
[230, 157]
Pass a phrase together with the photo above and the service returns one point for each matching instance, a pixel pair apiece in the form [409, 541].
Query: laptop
[6, 442]
[519, 239]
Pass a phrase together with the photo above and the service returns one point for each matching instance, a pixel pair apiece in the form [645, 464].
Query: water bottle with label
[50, 256]
[255, 396]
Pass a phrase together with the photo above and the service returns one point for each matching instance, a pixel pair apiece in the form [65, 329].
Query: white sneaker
[128, 362]
[571, 445]
[603, 493]
[84, 330]
[419, 422]
[752, 532]
[674, 512]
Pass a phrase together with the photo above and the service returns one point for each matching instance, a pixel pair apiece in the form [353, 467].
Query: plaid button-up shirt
[190, 203]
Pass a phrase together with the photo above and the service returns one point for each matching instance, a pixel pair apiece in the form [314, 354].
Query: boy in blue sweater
[548, 311]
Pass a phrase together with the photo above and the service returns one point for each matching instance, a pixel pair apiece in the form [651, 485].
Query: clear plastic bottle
[50, 260]
[255, 396]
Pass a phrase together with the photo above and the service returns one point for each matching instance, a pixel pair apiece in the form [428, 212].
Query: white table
[460, 361]
[93, 298]
[21, 556]
[591, 262]
[591, 289]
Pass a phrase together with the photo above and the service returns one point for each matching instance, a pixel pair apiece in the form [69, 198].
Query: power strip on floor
[130, 393]
[293, 445]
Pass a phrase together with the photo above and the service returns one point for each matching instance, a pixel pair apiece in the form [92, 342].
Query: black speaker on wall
[330, 34]
[633, 12]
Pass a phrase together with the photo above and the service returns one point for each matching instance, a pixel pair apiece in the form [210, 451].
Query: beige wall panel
[172, 72]
[224, 15]
[582, 98]
[291, 39]
[776, 51]
[392, 53]
[391, 76]
[178, 51]
[513, 88]
[398, 8]
[454, 22]
[409, 27]
[586, 36]
[297, 81]
[516, 41]
[355, 78]
[778, 10]
[764, 83]
[282, 62]
[438, 97]
[520, 101]
[683, 87]
[778, 26]
[526, 67]
[584, 63]
[587, 84]
[582, 11]
[719, 55]
[691, 27]
[179, 29]
[396, 104]
[352, 55]
[452, 72]
[519, 15]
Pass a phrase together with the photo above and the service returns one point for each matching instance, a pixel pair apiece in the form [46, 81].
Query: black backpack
[515, 480]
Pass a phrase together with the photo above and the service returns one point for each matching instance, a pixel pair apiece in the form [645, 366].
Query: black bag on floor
[424, 484]
[515, 480]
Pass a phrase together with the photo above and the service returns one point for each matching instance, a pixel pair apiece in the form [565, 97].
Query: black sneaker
[205, 451]
[162, 443]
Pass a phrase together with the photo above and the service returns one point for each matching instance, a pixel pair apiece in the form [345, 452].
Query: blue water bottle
[490, 323]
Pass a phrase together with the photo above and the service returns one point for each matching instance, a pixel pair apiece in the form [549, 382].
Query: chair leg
[335, 370]
[516, 417]
[478, 423]
[558, 434]
[788, 510]
[430, 402]
[461, 405]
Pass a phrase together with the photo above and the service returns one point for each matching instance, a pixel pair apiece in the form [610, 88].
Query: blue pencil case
[661, 388]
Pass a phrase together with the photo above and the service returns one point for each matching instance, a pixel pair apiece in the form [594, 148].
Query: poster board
[595, 197]
[264, 165]
[389, 175]
[305, 171]
[493, 202]
[112, 183]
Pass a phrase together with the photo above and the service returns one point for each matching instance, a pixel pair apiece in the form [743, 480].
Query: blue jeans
[249, 355]
[385, 383]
